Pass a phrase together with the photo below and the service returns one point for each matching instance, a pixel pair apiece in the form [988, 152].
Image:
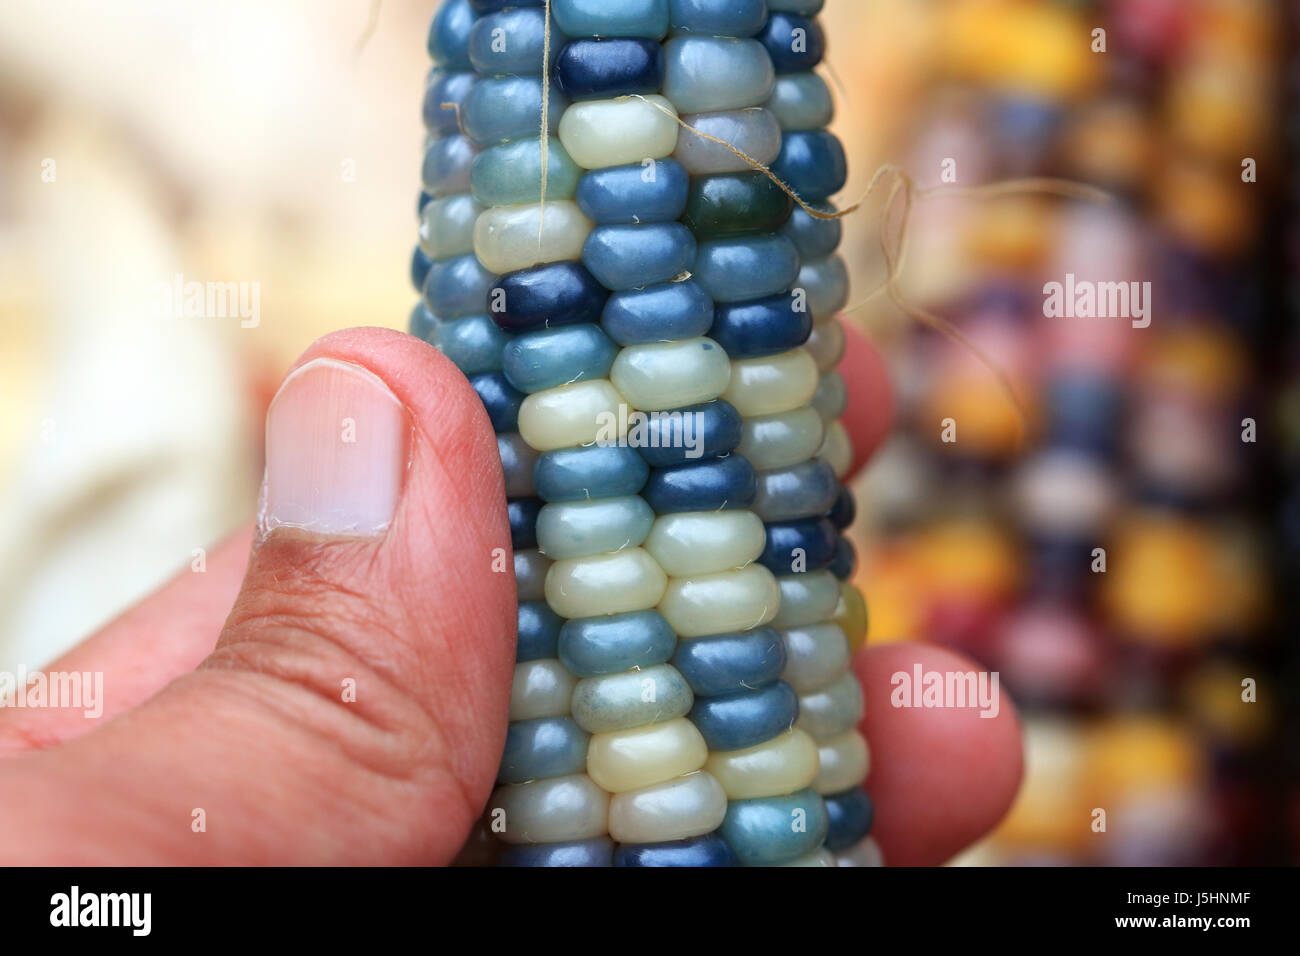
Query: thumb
[354, 706]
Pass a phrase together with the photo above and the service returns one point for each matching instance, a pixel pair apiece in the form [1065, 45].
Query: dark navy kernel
[747, 718]
[729, 663]
[500, 399]
[606, 68]
[559, 293]
[523, 522]
[846, 559]
[721, 483]
[812, 163]
[851, 814]
[795, 43]
[597, 852]
[707, 850]
[493, 6]
[420, 266]
[715, 430]
[761, 327]
[794, 547]
[539, 631]
[845, 510]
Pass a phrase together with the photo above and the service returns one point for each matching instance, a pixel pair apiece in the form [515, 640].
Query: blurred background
[149, 144]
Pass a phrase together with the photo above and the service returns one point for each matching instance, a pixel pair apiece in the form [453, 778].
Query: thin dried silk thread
[894, 251]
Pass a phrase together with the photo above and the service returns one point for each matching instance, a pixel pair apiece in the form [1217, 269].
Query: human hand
[352, 707]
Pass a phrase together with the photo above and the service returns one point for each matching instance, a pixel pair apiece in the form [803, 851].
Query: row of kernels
[804, 499]
[744, 709]
[645, 752]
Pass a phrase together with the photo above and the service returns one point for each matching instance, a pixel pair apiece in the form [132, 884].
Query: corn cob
[649, 721]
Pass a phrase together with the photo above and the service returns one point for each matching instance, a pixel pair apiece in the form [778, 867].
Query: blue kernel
[502, 108]
[597, 852]
[654, 192]
[530, 573]
[737, 269]
[551, 357]
[714, 485]
[850, 815]
[730, 663]
[845, 561]
[715, 431]
[420, 266]
[844, 511]
[539, 631]
[421, 201]
[632, 257]
[448, 41]
[707, 850]
[542, 748]
[659, 313]
[590, 69]
[812, 163]
[722, 18]
[559, 293]
[805, 490]
[523, 31]
[815, 541]
[422, 322]
[601, 18]
[501, 401]
[762, 327]
[457, 286]
[473, 343]
[746, 718]
[594, 646]
[759, 832]
[446, 166]
[814, 238]
[808, 8]
[492, 6]
[780, 37]
[596, 471]
[445, 87]
[523, 521]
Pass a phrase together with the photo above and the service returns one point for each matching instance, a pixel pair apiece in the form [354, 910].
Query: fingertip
[941, 777]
